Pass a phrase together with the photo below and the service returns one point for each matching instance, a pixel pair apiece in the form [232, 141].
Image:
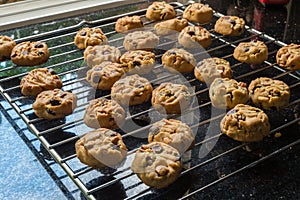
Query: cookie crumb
[277, 135]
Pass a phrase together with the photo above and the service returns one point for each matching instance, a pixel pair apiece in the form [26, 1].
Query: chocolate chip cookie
[268, 93]
[194, 37]
[160, 11]
[172, 132]
[171, 98]
[30, 53]
[127, 23]
[104, 75]
[138, 61]
[54, 104]
[226, 93]
[39, 80]
[289, 57]
[170, 26]
[94, 55]
[6, 46]
[209, 69]
[245, 123]
[143, 40]
[199, 13]
[104, 113]
[101, 148]
[131, 90]
[157, 164]
[178, 60]
[254, 52]
[230, 26]
[89, 37]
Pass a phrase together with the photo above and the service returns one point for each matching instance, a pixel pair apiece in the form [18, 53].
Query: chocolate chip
[63, 95]
[232, 22]
[14, 55]
[240, 29]
[40, 53]
[171, 53]
[154, 131]
[50, 111]
[39, 45]
[54, 102]
[83, 33]
[246, 49]
[157, 148]
[51, 71]
[136, 63]
[111, 133]
[163, 16]
[191, 33]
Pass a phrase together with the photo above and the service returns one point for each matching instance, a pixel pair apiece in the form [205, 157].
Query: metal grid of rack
[59, 136]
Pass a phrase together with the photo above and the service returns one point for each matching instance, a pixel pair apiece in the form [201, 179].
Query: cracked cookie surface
[89, 37]
[230, 26]
[160, 11]
[289, 57]
[194, 37]
[6, 46]
[198, 12]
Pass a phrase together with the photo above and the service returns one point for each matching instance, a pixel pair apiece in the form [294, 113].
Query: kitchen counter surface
[27, 172]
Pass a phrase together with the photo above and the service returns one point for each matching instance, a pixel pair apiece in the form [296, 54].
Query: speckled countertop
[26, 172]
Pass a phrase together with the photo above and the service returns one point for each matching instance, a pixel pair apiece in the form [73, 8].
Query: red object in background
[278, 2]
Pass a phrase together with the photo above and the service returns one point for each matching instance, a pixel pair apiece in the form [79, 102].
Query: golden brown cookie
[6, 46]
[289, 57]
[172, 132]
[143, 40]
[268, 93]
[209, 69]
[101, 148]
[254, 52]
[30, 53]
[138, 61]
[171, 98]
[104, 113]
[170, 26]
[178, 60]
[157, 164]
[104, 75]
[54, 104]
[198, 12]
[89, 37]
[128, 23]
[39, 80]
[160, 11]
[230, 26]
[226, 93]
[245, 123]
[194, 37]
[131, 90]
[95, 55]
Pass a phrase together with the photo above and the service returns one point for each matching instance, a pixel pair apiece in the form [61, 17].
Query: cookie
[131, 90]
[39, 80]
[226, 93]
[128, 23]
[172, 132]
[143, 40]
[104, 113]
[95, 55]
[170, 26]
[209, 69]
[104, 75]
[194, 37]
[289, 57]
[254, 52]
[199, 13]
[268, 93]
[101, 148]
[89, 37]
[54, 104]
[171, 98]
[245, 123]
[178, 60]
[160, 11]
[138, 61]
[6, 46]
[230, 26]
[30, 53]
[157, 164]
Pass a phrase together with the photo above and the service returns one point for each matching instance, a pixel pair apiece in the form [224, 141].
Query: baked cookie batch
[158, 163]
